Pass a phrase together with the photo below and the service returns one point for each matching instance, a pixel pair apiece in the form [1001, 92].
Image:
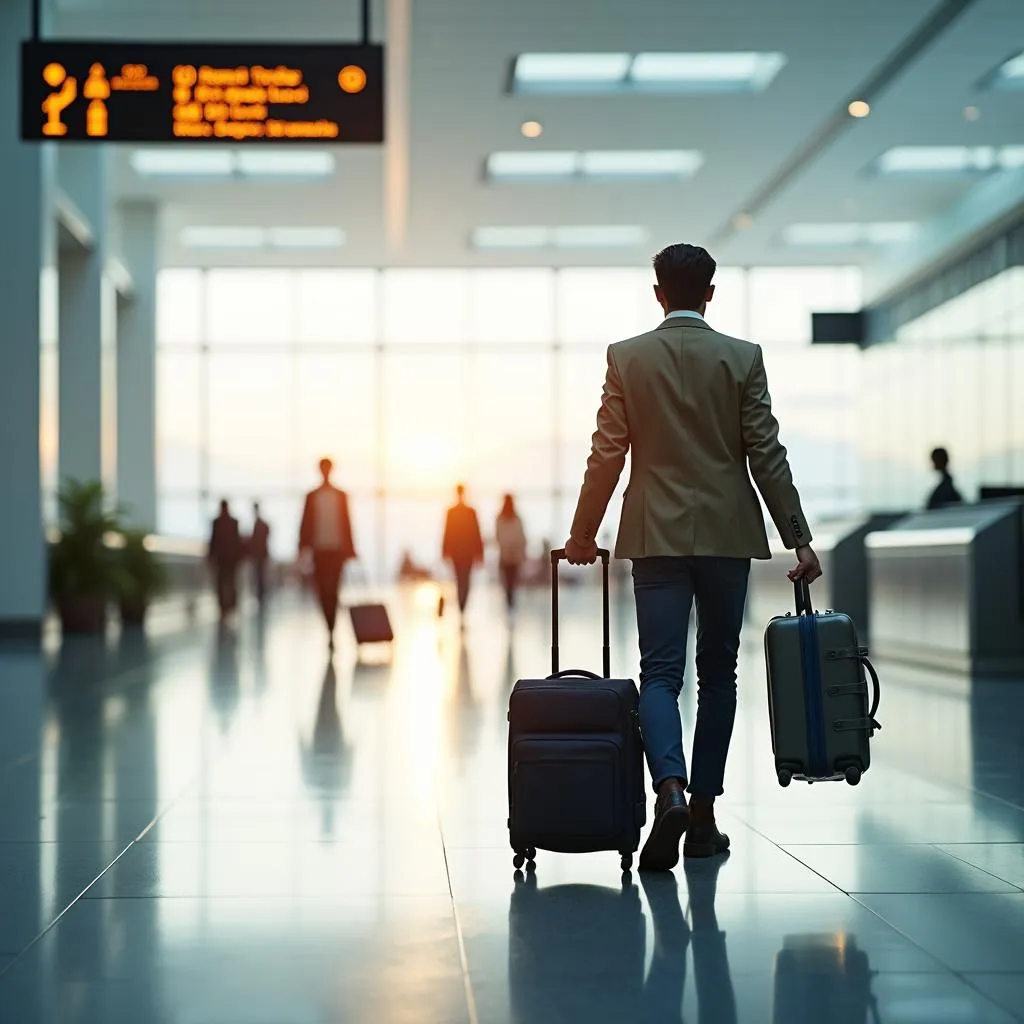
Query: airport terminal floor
[230, 826]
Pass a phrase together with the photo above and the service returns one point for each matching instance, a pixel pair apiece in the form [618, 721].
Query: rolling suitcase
[371, 624]
[575, 759]
[818, 696]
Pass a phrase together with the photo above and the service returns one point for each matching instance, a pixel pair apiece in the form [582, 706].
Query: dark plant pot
[133, 613]
[82, 613]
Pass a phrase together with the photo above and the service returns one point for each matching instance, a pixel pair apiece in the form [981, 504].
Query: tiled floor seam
[977, 867]
[962, 976]
[467, 981]
[7, 967]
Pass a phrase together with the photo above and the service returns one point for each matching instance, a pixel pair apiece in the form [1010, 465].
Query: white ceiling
[459, 110]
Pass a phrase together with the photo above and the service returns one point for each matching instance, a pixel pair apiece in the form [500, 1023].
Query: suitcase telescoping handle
[802, 591]
[556, 556]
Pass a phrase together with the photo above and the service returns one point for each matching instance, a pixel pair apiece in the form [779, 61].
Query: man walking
[463, 545]
[326, 531]
[259, 552]
[693, 406]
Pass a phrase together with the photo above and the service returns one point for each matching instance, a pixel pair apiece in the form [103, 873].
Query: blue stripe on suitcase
[813, 705]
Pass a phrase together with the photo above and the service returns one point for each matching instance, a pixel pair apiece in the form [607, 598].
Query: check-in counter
[946, 589]
[844, 583]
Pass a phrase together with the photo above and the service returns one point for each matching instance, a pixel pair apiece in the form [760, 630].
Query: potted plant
[84, 574]
[143, 577]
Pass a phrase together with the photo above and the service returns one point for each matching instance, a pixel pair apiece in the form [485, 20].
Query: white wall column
[136, 365]
[28, 233]
[88, 402]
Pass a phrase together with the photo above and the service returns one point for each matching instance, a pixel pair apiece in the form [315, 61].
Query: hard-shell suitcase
[371, 624]
[575, 759]
[818, 695]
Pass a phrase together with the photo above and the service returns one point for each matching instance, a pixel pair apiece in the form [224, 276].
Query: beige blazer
[692, 406]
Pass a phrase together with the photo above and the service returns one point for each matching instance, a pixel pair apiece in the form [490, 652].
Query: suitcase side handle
[557, 555]
[876, 695]
[802, 594]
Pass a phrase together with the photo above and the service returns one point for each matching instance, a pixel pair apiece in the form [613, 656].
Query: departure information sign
[201, 92]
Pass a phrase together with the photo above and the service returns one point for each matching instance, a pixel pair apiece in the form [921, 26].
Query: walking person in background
[692, 406]
[463, 545]
[224, 555]
[326, 533]
[259, 552]
[511, 540]
[945, 492]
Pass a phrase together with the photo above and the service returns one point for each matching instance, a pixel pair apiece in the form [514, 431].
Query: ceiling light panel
[950, 159]
[849, 233]
[305, 238]
[550, 164]
[1009, 74]
[615, 236]
[201, 237]
[284, 163]
[182, 162]
[655, 163]
[706, 72]
[568, 73]
[596, 164]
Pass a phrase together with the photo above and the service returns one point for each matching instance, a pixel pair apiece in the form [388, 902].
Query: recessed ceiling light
[742, 221]
[1009, 74]
[849, 233]
[641, 163]
[197, 237]
[568, 73]
[277, 162]
[532, 129]
[859, 108]
[596, 164]
[971, 113]
[706, 72]
[615, 236]
[305, 238]
[948, 159]
[182, 162]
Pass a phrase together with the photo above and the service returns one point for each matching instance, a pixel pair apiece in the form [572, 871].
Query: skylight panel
[305, 238]
[297, 162]
[534, 164]
[539, 70]
[203, 237]
[707, 72]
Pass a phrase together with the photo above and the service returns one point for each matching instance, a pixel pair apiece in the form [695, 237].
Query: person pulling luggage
[692, 406]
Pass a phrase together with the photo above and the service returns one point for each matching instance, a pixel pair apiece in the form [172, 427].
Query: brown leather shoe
[671, 818]
[703, 838]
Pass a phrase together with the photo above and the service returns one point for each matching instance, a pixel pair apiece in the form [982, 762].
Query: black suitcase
[371, 624]
[821, 724]
[575, 759]
[823, 978]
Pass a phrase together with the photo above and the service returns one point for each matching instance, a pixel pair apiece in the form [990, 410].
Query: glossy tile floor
[208, 828]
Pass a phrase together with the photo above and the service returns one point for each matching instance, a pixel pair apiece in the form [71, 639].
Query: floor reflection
[326, 756]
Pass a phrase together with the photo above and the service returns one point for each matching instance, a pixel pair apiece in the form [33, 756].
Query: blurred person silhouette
[326, 758]
[411, 572]
[259, 552]
[224, 555]
[692, 407]
[511, 539]
[463, 545]
[945, 492]
[326, 533]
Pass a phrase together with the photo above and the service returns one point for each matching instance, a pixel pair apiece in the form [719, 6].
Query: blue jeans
[665, 589]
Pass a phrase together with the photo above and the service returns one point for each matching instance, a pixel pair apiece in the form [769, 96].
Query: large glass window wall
[414, 379]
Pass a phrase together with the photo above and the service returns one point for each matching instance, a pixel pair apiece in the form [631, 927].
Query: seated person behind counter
[945, 493]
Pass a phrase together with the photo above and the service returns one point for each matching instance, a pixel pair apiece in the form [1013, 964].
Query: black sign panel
[201, 92]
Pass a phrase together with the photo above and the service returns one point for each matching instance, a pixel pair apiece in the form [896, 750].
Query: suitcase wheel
[527, 857]
[785, 777]
[853, 774]
[627, 861]
[518, 861]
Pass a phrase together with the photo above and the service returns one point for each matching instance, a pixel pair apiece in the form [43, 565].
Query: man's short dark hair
[940, 458]
[684, 273]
